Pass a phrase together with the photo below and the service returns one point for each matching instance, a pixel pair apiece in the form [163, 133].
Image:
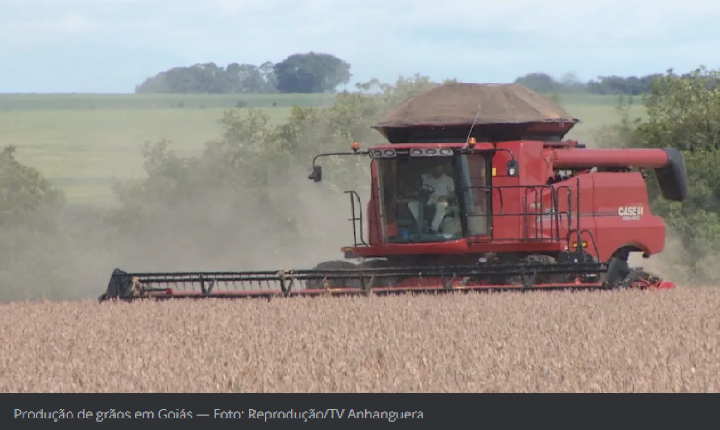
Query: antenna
[467, 141]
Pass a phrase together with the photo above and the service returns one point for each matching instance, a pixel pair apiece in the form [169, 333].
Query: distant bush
[27, 199]
[30, 232]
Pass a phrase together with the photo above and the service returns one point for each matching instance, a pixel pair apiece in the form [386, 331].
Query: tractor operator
[443, 189]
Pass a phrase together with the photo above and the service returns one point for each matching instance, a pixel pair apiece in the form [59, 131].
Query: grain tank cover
[503, 111]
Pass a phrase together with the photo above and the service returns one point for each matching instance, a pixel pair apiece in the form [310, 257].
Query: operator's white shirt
[443, 186]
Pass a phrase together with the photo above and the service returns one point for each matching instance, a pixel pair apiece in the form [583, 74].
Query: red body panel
[647, 158]
[614, 190]
[601, 201]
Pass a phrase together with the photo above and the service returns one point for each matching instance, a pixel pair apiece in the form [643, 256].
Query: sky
[109, 46]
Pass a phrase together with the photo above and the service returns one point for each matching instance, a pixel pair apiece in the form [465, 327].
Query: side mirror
[316, 174]
[512, 168]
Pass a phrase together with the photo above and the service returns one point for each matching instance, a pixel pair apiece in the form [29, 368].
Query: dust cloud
[219, 234]
[668, 264]
[299, 224]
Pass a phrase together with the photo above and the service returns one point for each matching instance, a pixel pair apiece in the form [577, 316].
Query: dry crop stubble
[612, 341]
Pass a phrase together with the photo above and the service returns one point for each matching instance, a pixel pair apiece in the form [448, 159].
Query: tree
[570, 83]
[248, 78]
[684, 113]
[209, 78]
[540, 82]
[36, 252]
[614, 85]
[27, 199]
[311, 73]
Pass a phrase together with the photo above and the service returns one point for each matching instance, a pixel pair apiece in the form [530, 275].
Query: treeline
[320, 73]
[604, 85]
[299, 73]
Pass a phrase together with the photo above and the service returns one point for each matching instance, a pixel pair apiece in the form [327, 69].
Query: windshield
[421, 197]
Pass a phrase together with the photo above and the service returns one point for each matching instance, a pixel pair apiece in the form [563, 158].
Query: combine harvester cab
[476, 190]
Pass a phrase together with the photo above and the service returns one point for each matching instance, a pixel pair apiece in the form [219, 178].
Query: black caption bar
[318, 410]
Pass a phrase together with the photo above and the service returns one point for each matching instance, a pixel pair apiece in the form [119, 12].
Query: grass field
[81, 142]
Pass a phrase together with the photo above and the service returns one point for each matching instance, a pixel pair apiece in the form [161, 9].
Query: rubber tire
[314, 284]
[633, 276]
[539, 279]
[380, 282]
[617, 267]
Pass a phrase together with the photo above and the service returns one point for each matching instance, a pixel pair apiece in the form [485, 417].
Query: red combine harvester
[475, 191]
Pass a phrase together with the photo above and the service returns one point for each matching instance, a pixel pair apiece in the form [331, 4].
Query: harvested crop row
[612, 341]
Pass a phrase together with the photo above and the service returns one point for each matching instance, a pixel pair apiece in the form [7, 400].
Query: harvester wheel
[377, 282]
[539, 278]
[618, 272]
[313, 284]
[638, 278]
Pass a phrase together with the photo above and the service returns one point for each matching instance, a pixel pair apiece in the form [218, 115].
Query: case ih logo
[629, 213]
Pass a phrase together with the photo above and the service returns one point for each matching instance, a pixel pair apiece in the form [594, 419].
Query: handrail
[353, 197]
[539, 211]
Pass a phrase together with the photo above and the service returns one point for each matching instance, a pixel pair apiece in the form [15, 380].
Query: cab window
[419, 199]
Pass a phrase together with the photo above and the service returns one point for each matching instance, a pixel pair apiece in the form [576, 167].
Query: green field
[81, 142]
